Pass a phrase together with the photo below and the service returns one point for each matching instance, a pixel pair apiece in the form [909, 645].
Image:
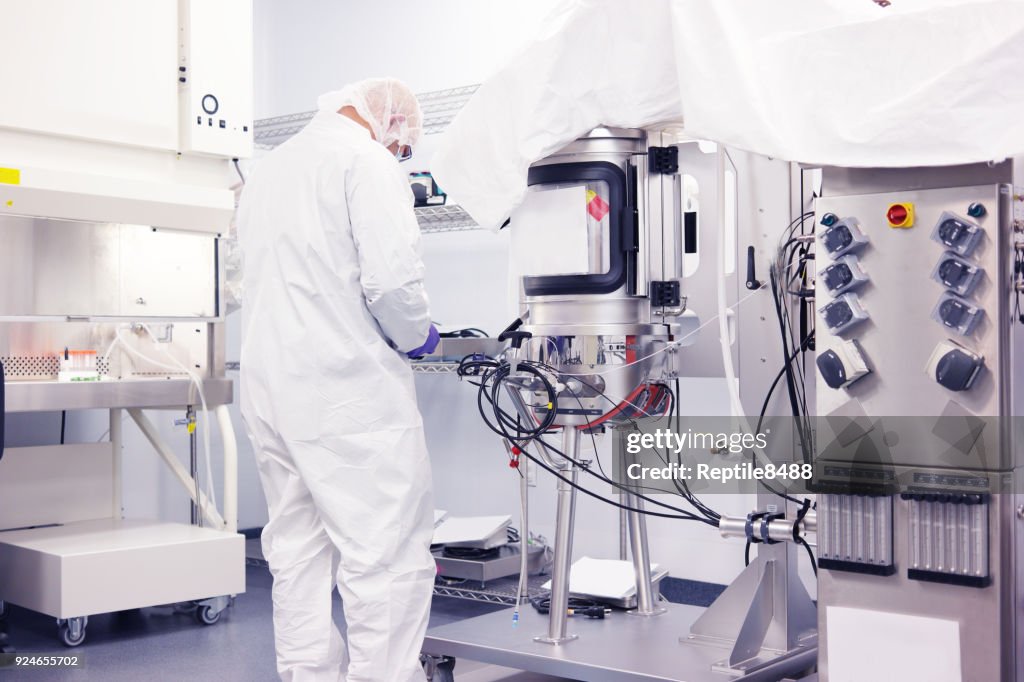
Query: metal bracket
[663, 160]
[666, 294]
[756, 625]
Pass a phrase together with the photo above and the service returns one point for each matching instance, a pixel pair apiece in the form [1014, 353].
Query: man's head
[384, 106]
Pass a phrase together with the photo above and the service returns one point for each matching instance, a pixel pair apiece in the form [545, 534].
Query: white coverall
[333, 273]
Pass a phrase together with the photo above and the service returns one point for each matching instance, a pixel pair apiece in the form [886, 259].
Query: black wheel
[445, 670]
[67, 638]
[207, 616]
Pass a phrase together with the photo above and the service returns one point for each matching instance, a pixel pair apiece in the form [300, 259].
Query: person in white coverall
[334, 304]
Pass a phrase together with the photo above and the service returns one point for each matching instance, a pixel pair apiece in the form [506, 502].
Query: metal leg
[646, 604]
[558, 616]
[117, 450]
[623, 538]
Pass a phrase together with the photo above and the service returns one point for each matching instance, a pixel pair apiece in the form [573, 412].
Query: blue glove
[433, 338]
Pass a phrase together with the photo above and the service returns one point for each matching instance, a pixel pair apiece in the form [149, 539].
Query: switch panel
[843, 275]
[843, 313]
[842, 365]
[957, 234]
[954, 366]
[957, 274]
[957, 314]
[843, 237]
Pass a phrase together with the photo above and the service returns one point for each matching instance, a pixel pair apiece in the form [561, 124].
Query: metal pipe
[780, 530]
[645, 604]
[558, 614]
[117, 448]
[193, 459]
[623, 524]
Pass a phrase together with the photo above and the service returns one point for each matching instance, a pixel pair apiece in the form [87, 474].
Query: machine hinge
[665, 294]
[663, 160]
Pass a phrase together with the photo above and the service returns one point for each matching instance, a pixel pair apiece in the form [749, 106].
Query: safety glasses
[404, 153]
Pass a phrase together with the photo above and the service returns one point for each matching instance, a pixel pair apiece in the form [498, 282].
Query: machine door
[576, 229]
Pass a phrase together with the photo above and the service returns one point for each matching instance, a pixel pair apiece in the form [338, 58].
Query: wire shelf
[499, 591]
[439, 108]
[429, 367]
[448, 218]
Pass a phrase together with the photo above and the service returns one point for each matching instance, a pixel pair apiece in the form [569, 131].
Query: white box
[89, 567]
[215, 77]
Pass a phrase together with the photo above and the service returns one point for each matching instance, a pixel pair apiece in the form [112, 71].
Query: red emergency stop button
[900, 215]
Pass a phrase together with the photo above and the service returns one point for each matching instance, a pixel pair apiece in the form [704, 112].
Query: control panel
[911, 290]
[215, 77]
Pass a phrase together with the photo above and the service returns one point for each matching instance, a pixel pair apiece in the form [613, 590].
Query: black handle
[507, 331]
[752, 282]
[511, 333]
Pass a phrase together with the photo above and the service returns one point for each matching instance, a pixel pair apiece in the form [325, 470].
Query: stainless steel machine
[604, 325]
[919, 541]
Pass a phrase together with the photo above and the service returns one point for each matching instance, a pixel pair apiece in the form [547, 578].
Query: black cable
[467, 333]
[238, 170]
[683, 515]
[810, 553]
[492, 376]
[578, 606]
[63, 424]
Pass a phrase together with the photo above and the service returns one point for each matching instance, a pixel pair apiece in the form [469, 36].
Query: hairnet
[386, 104]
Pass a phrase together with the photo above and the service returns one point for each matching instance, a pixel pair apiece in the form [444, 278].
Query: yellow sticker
[10, 176]
[191, 427]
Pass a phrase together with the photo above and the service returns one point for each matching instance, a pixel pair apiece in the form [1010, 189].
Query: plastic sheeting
[831, 82]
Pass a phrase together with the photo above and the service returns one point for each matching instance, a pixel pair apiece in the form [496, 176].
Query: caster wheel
[445, 671]
[69, 638]
[207, 616]
[438, 669]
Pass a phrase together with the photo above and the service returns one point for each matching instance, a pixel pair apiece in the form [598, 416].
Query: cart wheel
[207, 615]
[72, 631]
[438, 668]
[445, 670]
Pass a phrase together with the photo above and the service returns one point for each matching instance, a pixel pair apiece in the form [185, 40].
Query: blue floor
[159, 644]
